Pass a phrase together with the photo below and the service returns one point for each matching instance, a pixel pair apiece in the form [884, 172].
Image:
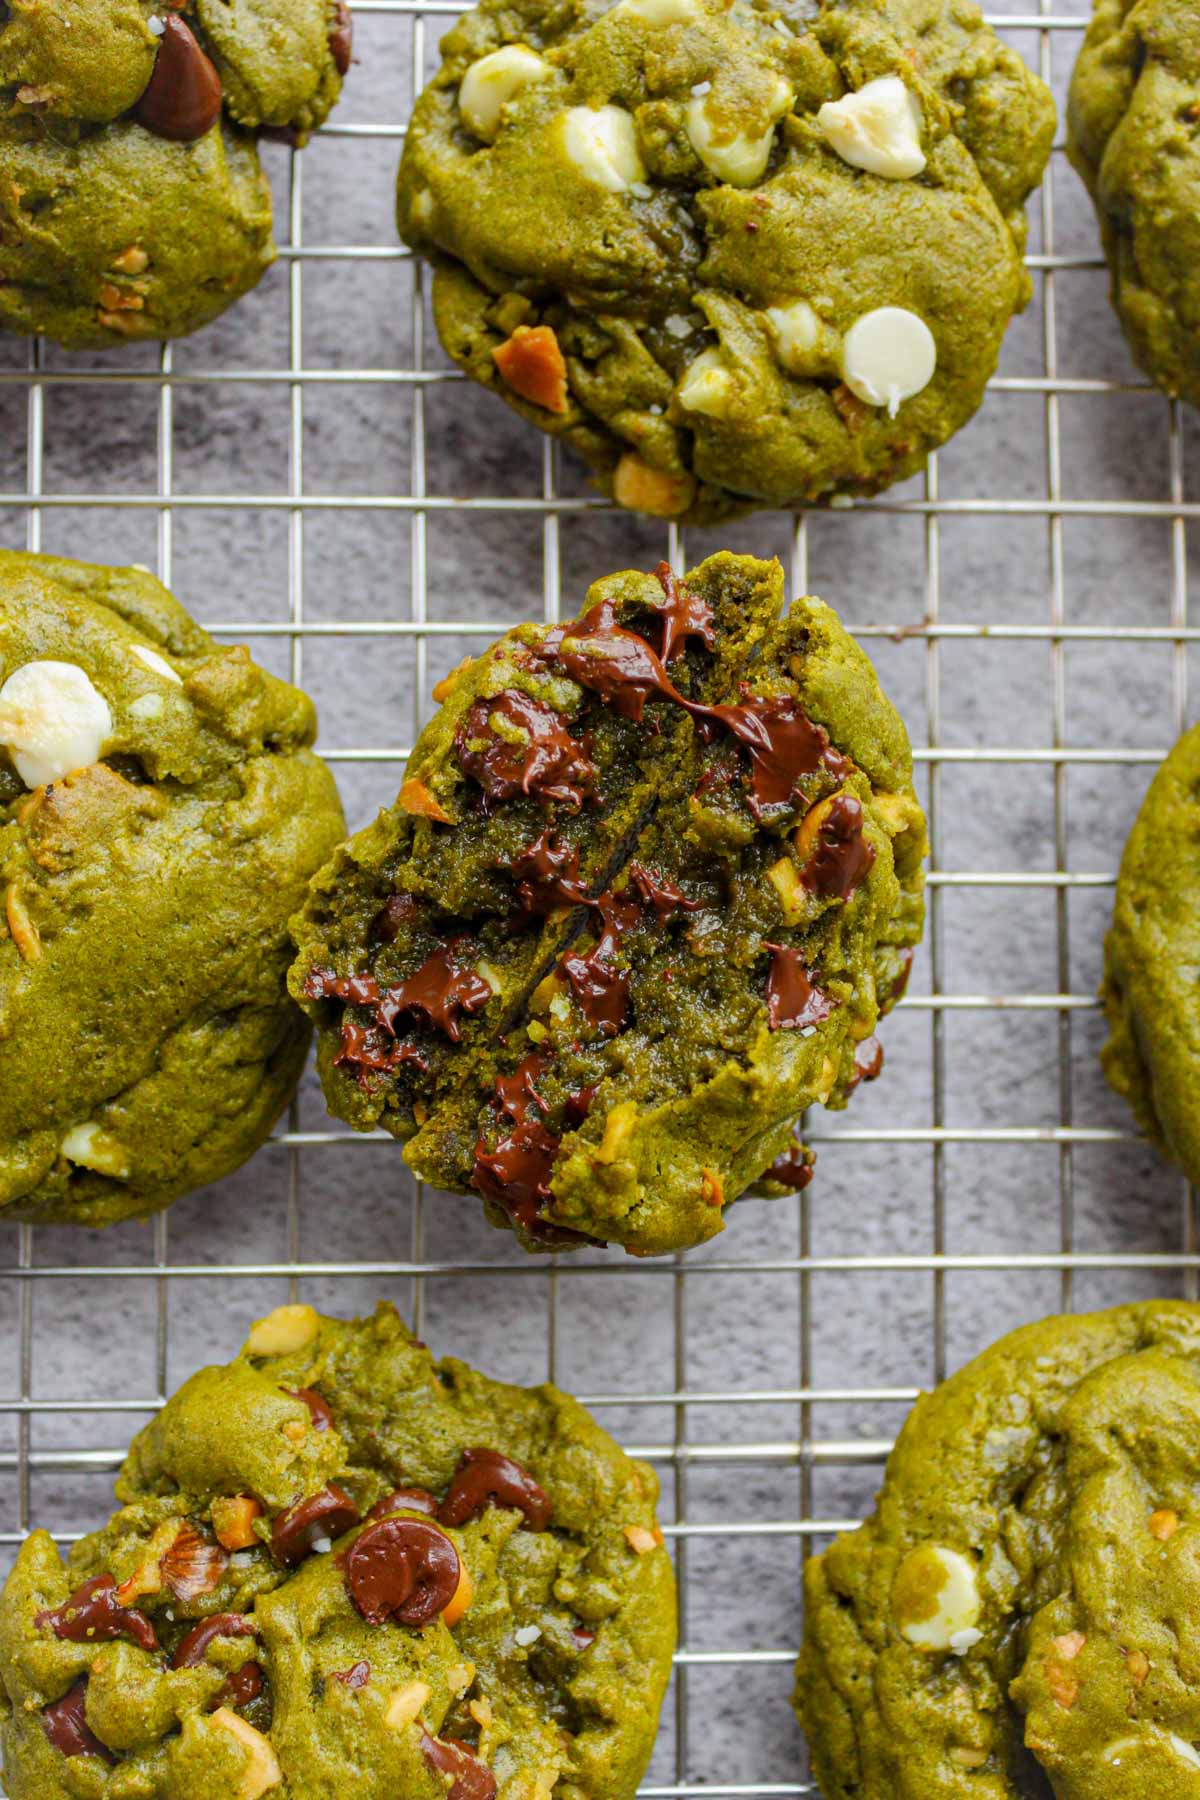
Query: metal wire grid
[807, 1451]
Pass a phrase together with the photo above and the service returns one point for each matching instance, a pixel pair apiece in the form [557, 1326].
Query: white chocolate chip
[489, 85]
[888, 356]
[804, 343]
[148, 707]
[706, 385]
[89, 1146]
[286, 1329]
[261, 1769]
[602, 143]
[158, 663]
[740, 160]
[1115, 1752]
[962, 1641]
[877, 129]
[52, 721]
[526, 1635]
[658, 12]
[1184, 1751]
[948, 1587]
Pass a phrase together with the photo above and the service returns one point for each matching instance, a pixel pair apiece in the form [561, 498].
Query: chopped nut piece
[131, 261]
[25, 934]
[1163, 1524]
[286, 1329]
[295, 1430]
[405, 1703]
[640, 1540]
[532, 364]
[1063, 1685]
[464, 1594]
[711, 1190]
[828, 1077]
[642, 489]
[119, 321]
[460, 1677]
[1138, 1664]
[481, 1711]
[88, 1146]
[233, 1521]
[417, 799]
[792, 898]
[968, 1756]
[262, 1770]
[117, 299]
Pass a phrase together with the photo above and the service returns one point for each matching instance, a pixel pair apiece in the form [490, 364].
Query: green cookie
[499, 1607]
[1015, 1619]
[161, 811]
[132, 203]
[650, 882]
[1132, 120]
[734, 256]
[1150, 958]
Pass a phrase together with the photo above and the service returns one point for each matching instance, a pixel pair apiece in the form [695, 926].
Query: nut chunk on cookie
[672, 881]
[477, 1590]
[161, 812]
[1008, 1620]
[630, 208]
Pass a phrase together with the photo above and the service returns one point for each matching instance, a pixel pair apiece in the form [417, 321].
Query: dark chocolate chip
[93, 1614]
[192, 1648]
[487, 1478]
[537, 754]
[794, 1002]
[242, 1686]
[66, 1726]
[401, 1569]
[684, 615]
[413, 1499]
[615, 663]
[868, 1061]
[794, 1169]
[442, 989]
[323, 1515]
[356, 1677]
[399, 911]
[341, 38]
[319, 1409]
[783, 745]
[182, 99]
[658, 894]
[547, 877]
[841, 859]
[473, 1780]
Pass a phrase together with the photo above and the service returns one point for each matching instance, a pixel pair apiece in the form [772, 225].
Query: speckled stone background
[992, 1139]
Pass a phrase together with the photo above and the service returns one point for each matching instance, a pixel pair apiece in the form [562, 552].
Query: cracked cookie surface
[1016, 1617]
[132, 201]
[336, 1554]
[651, 880]
[161, 811]
[735, 256]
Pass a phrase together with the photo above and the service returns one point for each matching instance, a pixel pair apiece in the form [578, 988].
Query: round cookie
[132, 203]
[161, 811]
[735, 256]
[1017, 1616]
[334, 1554]
[651, 880]
[1151, 952]
[1132, 135]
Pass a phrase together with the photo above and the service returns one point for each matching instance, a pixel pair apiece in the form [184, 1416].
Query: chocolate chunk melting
[341, 38]
[401, 1569]
[442, 989]
[473, 1780]
[192, 1648]
[794, 1002]
[684, 615]
[547, 877]
[795, 1168]
[412, 1499]
[658, 894]
[65, 1724]
[355, 1677]
[600, 986]
[93, 1614]
[516, 1172]
[296, 1532]
[783, 745]
[242, 1686]
[182, 99]
[319, 1409]
[841, 857]
[513, 744]
[615, 663]
[487, 1478]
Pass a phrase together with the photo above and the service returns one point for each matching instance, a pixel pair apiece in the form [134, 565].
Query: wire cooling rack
[315, 480]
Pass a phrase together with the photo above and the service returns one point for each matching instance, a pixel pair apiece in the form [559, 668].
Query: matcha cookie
[650, 881]
[1016, 1617]
[1150, 958]
[161, 811]
[735, 256]
[342, 1568]
[132, 203]
[1132, 119]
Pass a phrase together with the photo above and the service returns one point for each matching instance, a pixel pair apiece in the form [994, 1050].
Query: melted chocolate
[601, 989]
[323, 1515]
[319, 1409]
[242, 1686]
[473, 1780]
[684, 615]
[486, 1478]
[794, 1169]
[794, 1002]
[367, 1051]
[514, 1094]
[65, 1724]
[546, 761]
[413, 1499]
[783, 744]
[658, 894]
[617, 664]
[440, 989]
[578, 1105]
[842, 857]
[516, 1173]
[192, 1648]
[341, 38]
[401, 1569]
[392, 917]
[356, 1677]
[547, 877]
[182, 99]
[868, 1061]
[93, 1614]
[355, 990]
